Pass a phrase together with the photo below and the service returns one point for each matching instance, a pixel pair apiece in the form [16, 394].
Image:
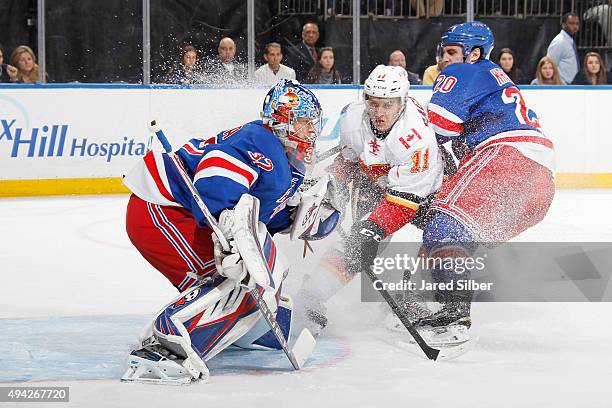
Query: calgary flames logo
[374, 147]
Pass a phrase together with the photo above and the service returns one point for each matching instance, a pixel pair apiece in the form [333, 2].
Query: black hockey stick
[305, 342]
[435, 354]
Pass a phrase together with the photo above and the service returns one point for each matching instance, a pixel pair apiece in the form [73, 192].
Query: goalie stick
[305, 343]
[434, 354]
[328, 153]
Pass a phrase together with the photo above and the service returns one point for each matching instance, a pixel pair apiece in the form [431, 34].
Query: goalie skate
[156, 365]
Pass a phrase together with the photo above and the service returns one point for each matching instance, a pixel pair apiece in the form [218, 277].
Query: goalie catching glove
[318, 211]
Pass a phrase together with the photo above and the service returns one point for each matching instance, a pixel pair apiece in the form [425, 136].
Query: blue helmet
[471, 35]
[294, 115]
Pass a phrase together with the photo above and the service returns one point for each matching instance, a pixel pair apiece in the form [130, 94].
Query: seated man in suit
[301, 57]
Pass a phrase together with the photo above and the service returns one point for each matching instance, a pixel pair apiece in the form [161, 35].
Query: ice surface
[74, 295]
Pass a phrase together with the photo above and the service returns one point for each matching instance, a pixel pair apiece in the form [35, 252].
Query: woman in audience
[594, 71]
[507, 61]
[547, 73]
[187, 69]
[24, 60]
[323, 72]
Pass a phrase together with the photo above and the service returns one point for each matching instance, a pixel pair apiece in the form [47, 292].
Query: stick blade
[303, 347]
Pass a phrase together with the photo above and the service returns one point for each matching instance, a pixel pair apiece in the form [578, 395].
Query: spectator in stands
[602, 14]
[398, 59]
[562, 48]
[593, 72]
[323, 72]
[547, 73]
[186, 70]
[507, 61]
[270, 73]
[8, 73]
[434, 7]
[24, 59]
[225, 69]
[302, 57]
[431, 73]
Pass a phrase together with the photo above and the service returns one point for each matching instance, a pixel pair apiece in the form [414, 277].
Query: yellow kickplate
[48, 187]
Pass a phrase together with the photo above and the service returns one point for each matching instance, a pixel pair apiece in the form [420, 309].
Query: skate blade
[449, 353]
[436, 337]
[445, 337]
[446, 353]
[130, 377]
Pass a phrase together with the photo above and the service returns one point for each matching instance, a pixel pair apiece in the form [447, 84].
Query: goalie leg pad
[260, 337]
[206, 319]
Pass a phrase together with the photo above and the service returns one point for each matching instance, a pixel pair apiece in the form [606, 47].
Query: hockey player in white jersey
[390, 159]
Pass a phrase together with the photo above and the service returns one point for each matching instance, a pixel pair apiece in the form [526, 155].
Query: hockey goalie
[204, 217]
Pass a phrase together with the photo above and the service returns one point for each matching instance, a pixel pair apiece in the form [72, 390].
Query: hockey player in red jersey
[504, 184]
[390, 159]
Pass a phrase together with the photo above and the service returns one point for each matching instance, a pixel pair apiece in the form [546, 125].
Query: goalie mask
[294, 115]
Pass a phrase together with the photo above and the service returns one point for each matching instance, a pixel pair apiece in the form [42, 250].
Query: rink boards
[81, 139]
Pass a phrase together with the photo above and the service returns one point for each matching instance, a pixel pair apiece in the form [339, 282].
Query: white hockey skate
[156, 365]
[438, 337]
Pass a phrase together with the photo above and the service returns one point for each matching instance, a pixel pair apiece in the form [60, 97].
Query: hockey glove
[450, 167]
[232, 267]
[343, 170]
[460, 150]
[228, 263]
[361, 246]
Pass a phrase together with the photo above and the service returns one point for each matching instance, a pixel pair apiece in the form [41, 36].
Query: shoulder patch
[227, 133]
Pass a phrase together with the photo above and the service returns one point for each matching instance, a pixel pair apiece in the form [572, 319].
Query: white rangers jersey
[407, 162]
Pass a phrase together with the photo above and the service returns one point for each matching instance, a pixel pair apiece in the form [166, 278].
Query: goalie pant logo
[53, 141]
[187, 298]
